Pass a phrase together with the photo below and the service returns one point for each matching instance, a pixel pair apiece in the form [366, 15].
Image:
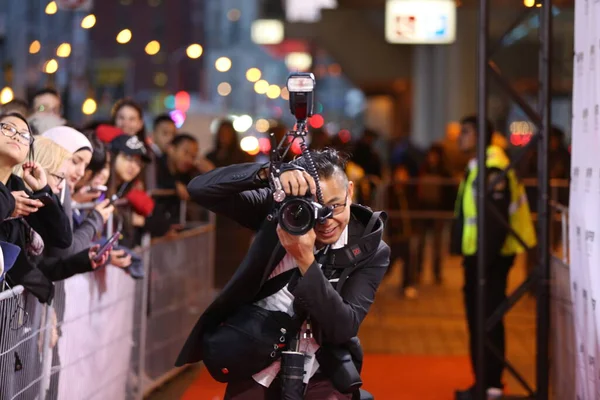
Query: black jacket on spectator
[236, 191]
[50, 222]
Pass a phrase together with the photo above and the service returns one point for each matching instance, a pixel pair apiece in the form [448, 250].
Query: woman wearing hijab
[92, 225]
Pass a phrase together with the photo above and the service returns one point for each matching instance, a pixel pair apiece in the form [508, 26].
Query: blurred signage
[307, 10]
[420, 21]
[267, 31]
[79, 5]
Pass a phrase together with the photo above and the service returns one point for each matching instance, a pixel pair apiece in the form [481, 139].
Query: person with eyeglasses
[325, 280]
[30, 224]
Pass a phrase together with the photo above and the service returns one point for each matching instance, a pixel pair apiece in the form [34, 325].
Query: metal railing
[106, 335]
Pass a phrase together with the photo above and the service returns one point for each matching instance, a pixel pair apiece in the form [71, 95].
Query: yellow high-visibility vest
[519, 213]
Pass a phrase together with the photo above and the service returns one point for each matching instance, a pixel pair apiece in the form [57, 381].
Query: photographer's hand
[297, 183]
[301, 248]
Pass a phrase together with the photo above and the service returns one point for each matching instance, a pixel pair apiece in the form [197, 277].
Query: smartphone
[96, 189]
[106, 246]
[44, 197]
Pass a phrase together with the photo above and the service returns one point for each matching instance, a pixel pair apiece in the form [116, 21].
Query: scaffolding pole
[541, 275]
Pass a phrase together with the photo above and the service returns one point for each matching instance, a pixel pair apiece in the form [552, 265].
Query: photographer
[295, 276]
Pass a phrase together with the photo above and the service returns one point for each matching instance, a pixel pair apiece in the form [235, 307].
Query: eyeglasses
[10, 131]
[58, 178]
[337, 209]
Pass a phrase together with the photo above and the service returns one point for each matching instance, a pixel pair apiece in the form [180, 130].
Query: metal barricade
[106, 335]
[180, 288]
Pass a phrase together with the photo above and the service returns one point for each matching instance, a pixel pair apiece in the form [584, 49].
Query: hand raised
[34, 176]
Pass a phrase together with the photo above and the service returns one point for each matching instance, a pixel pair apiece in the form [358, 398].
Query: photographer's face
[335, 193]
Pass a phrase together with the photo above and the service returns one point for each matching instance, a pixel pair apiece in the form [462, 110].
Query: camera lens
[297, 217]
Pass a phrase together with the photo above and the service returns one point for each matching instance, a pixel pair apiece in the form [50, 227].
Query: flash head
[301, 87]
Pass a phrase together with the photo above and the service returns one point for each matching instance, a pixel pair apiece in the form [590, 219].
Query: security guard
[508, 197]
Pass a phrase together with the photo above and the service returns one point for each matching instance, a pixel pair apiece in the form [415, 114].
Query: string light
[88, 22]
[253, 74]
[224, 89]
[6, 95]
[51, 66]
[89, 106]
[261, 86]
[64, 50]
[51, 8]
[194, 51]
[152, 47]
[223, 64]
[124, 36]
[35, 47]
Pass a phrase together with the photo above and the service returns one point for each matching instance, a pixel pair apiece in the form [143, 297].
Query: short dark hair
[474, 120]
[183, 137]
[46, 90]
[327, 162]
[162, 118]
[99, 155]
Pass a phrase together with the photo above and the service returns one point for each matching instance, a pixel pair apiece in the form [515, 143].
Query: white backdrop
[585, 197]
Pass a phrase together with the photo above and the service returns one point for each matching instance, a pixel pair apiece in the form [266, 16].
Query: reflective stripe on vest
[519, 214]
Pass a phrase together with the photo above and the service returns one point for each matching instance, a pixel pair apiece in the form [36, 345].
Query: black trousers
[496, 282]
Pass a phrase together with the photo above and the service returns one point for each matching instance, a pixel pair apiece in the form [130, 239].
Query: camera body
[299, 214]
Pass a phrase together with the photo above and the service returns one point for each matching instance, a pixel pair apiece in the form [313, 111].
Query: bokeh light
[242, 123]
[64, 50]
[224, 89]
[51, 66]
[6, 95]
[262, 125]
[89, 106]
[152, 47]
[223, 64]
[35, 47]
[250, 144]
[253, 74]
[88, 22]
[273, 92]
[261, 86]
[124, 36]
[51, 8]
[194, 51]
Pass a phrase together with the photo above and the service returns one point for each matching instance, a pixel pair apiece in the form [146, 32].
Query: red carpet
[387, 377]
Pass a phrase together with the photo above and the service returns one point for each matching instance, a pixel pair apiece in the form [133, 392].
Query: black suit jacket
[236, 192]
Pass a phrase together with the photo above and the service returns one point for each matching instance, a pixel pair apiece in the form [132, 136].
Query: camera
[299, 214]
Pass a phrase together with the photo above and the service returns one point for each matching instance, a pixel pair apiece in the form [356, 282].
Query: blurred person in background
[227, 149]
[40, 122]
[128, 116]
[19, 106]
[364, 154]
[400, 229]
[174, 171]
[162, 135]
[434, 193]
[164, 130]
[404, 152]
[508, 197]
[128, 159]
[48, 101]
